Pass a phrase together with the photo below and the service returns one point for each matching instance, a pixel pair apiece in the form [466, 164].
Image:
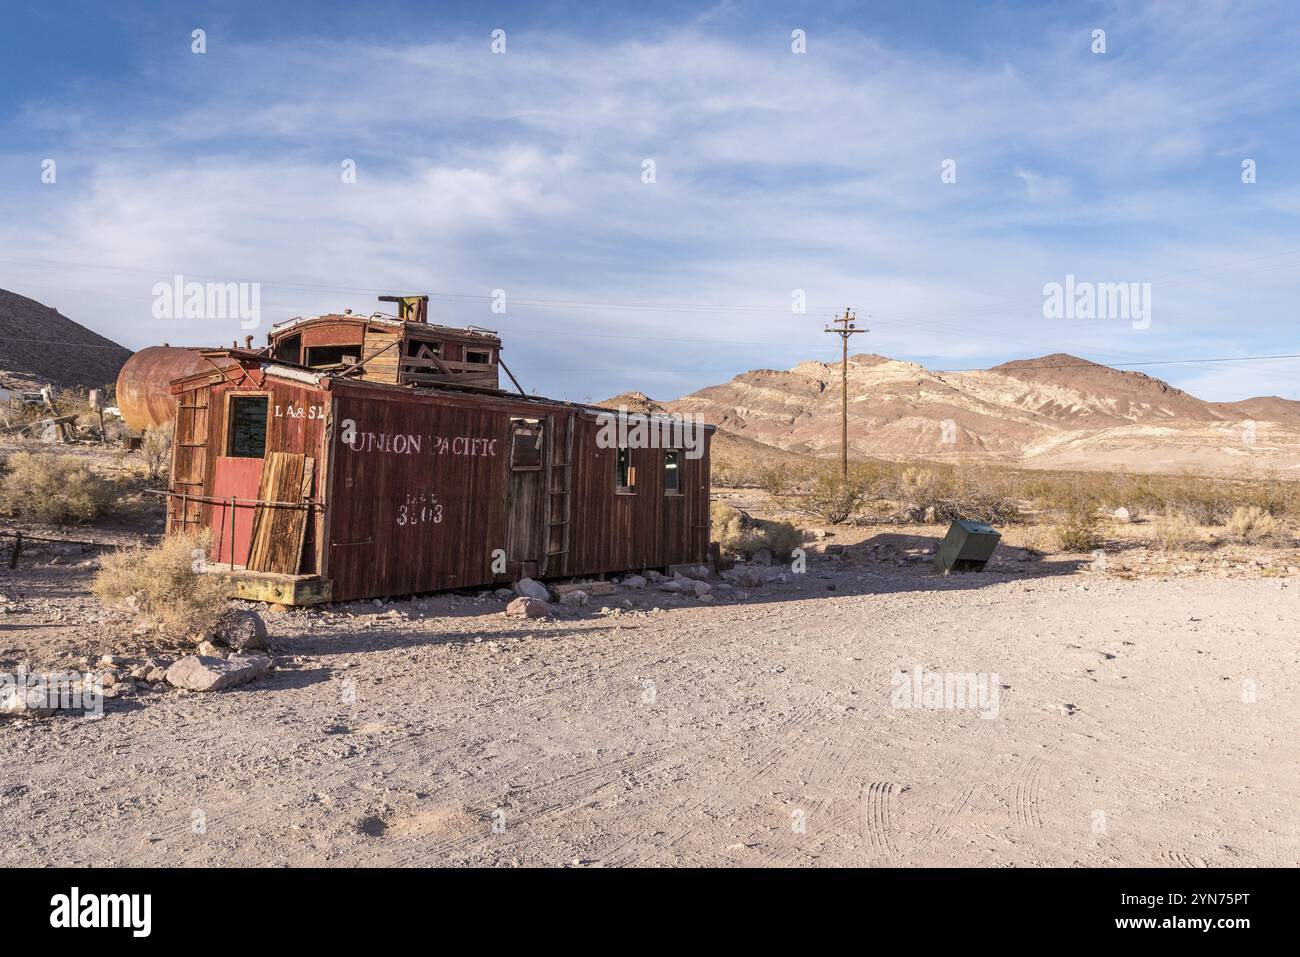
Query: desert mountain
[39, 346]
[1057, 411]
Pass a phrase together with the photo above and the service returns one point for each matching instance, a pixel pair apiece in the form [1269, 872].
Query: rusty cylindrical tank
[142, 385]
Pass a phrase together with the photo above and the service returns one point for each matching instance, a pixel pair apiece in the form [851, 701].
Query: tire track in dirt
[1027, 793]
[724, 791]
[878, 811]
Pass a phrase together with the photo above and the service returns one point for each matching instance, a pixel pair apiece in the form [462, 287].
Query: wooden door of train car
[525, 511]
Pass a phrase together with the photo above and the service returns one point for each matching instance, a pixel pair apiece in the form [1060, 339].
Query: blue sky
[774, 172]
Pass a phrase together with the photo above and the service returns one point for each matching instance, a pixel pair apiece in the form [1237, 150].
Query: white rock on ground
[203, 673]
[528, 588]
[16, 702]
[575, 597]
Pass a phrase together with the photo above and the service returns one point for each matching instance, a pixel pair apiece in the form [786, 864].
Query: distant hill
[1057, 411]
[38, 346]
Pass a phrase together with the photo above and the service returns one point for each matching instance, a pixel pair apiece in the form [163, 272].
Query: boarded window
[624, 472]
[672, 473]
[472, 355]
[525, 444]
[246, 434]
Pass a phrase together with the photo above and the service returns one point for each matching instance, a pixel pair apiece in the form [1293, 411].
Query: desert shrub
[1175, 531]
[739, 534]
[157, 450]
[43, 487]
[781, 538]
[983, 494]
[1077, 530]
[163, 586]
[731, 528]
[1039, 539]
[917, 485]
[776, 480]
[834, 498]
[1251, 523]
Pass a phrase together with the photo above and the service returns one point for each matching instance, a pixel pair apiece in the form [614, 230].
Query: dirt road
[1136, 722]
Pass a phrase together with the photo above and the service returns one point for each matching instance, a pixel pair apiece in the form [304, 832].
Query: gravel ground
[1151, 721]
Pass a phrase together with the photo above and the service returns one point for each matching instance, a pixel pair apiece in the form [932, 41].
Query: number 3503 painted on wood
[422, 509]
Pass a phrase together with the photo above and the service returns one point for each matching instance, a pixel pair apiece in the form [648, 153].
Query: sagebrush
[164, 585]
[737, 533]
[157, 450]
[57, 489]
[1250, 523]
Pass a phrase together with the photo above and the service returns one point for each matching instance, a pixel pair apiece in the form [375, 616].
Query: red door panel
[241, 478]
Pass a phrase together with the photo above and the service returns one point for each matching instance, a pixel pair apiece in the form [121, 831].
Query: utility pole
[847, 326]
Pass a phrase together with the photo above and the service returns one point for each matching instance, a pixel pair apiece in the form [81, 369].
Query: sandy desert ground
[1150, 721]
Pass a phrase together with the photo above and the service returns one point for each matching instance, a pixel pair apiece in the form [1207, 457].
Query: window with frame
[246, 426]
[672, 473]
[624, 472]
[525, 444]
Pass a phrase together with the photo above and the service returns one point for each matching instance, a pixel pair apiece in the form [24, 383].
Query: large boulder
[524, 607]
[528, 588]
[203, 673]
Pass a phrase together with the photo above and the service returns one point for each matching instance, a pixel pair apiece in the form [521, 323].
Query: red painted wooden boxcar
[415, 489]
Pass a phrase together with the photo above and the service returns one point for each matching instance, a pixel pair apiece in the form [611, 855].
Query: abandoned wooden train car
[338, 480]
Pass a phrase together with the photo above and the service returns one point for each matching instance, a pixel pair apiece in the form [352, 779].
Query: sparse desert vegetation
[161, 585]
[1069, 511]
[50, 488]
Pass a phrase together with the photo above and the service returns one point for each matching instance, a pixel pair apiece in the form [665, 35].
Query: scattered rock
[527, 588]
[698, 572]
[525, 607]
[634, 581]
[592, 589]
[209, 650]
[205, 673]
[244, 631]
[762, 557]
[505, 594]
[930, 515]
[574, 597]
[16, 702]
[1122, 515]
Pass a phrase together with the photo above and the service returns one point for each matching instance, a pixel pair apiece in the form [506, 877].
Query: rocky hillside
[1058, 411]
[38, 346]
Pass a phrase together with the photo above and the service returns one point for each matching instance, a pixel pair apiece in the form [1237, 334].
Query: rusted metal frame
[239, 502]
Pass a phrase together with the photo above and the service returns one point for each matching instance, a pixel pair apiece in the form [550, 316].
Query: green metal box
[967, 547]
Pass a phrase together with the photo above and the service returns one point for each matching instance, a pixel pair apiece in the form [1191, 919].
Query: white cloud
[775, 172]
